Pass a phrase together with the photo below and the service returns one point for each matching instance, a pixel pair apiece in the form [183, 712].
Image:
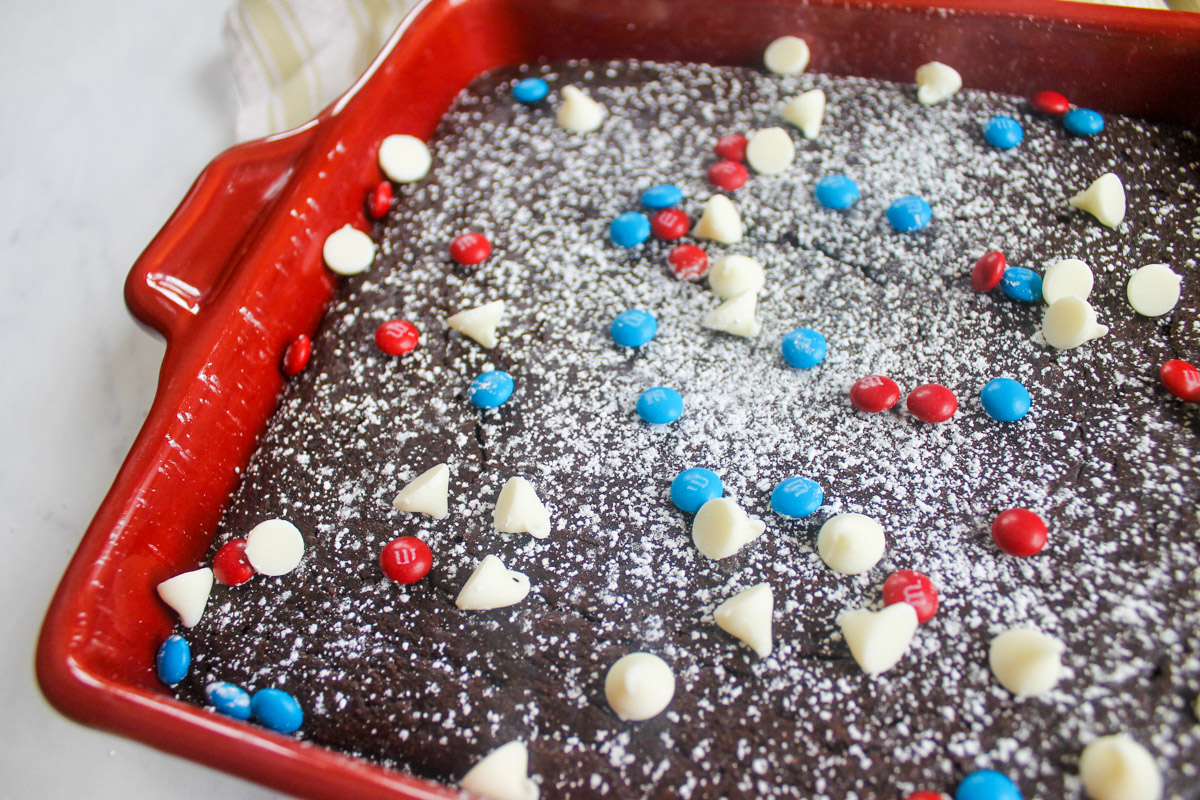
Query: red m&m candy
[470, 248]
[669, 224]
[230, 565]
[913, 588]
[296, 356]
[727, 175]
[1181, 380]
[731, 147]
[688, 262]
[926, 796]
[988, 272]
[379, 200]
[874, 393]
[406, 560]
[932, 403]
[1019, 532]
[1051, 103]
[397, 337]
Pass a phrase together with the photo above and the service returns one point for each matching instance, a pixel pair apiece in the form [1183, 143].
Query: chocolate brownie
[399, 676]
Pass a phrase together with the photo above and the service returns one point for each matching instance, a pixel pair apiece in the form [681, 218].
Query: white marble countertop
[110, 111]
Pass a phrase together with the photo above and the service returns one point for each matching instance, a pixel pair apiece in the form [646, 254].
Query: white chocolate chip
[806, 112]
[879, 639]
[188, 594]
[851, 543]
[720, 221]
[747, 615]
[732, 275]
[348, 251]
[518, 510]
[770, 150]
[787, 55]
[1118, 768]
[404, 158]
[479, 323]
[428, 493]
[639, 686]
[735, 315]
[274, 547]
[937, 82]
[1153, 290]
[1104, 200]
[1025, 661]
[492, 585]
[721, 528]
[579, 113]
[1069, 277]
[1069, 322]
[502, 774]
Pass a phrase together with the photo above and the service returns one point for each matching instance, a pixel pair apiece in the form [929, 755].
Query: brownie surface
[398, 675]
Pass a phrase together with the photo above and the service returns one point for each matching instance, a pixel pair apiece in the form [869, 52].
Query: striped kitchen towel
[291, 58]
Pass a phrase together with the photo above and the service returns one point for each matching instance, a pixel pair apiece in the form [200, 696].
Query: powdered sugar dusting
[399, 675]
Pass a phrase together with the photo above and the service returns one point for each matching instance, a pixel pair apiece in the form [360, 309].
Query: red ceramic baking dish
[236, 274]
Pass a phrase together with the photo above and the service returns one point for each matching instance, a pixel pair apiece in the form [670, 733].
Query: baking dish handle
[189, 258]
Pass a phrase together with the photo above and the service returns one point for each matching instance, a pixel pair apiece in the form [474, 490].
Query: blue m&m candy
[173, 660]
[660, 405]
[1083, 122]
[836, 191]
[229, 699]
[909, 214]
[797, 497]
[1022, 284]
[530, 90]
[491, 389]
[804, 348]
[277, 710]
[987, 784]
[1005, 400]
[630, 229]
[664, 195]
[1003, 132]
[633, 328]
[694, 487]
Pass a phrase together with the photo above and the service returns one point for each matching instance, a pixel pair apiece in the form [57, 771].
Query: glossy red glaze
[932, 403]
[988, 271]
[379, 200]
[1019, 532]
[688, 262]
[296, 356]
[406, 560]
[913, 588]
[731, 147]
[874, 393]
[1050, 103]
[669, 224]
[727, 175]
[1181, 379]
[236, 274]
[397, 337]
[230, 565]
[470, 248]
